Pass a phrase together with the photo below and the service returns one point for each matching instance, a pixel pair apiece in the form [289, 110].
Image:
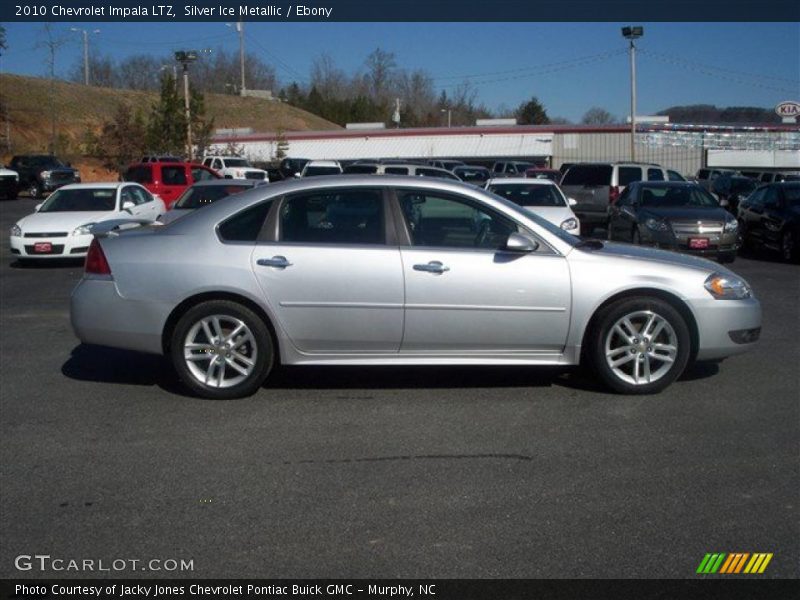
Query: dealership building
[684, 148]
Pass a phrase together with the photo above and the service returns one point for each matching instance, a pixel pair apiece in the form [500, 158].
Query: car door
[622, 215]
[772, 217]
[150, 208]
[331, 271]
[464, 294]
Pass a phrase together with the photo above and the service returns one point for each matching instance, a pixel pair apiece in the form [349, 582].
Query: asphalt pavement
[390, 472]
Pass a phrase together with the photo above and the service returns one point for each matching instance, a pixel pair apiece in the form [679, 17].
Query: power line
[687, 61]
[601, 55]
[698, 68]
[286, 67]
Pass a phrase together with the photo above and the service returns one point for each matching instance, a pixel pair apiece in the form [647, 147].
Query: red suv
[168, 180]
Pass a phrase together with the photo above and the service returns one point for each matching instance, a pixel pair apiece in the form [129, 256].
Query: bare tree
[102, 68]
[380, 67]
[141, 72]
[330, 81]
[598, 116]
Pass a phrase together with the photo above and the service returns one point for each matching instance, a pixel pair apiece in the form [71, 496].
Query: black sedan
[770, 218]
[675, 216]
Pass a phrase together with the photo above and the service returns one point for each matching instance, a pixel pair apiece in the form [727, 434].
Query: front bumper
[101, 316]
[69, 246]
[722, 324]
[726, 244]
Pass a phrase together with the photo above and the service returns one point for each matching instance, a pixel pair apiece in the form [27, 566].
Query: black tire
[262, 342]
[34, 190]
[635, 237]
[789, 247]
[604, 323]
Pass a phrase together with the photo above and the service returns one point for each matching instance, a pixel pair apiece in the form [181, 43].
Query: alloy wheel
[641, 347]
[220, 351]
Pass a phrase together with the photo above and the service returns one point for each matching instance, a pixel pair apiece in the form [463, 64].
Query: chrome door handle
[432, 267]
[276, 261]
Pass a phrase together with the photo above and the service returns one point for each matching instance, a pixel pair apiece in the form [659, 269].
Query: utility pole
[52, 44]
[632, 34]
[85, 51]
[240, 30]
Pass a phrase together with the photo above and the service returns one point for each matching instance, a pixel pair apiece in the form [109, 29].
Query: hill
[78, 107]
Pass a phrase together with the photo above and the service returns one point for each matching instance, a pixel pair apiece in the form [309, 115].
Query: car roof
[224, 182]
[100, 185]
[521, 181]
[323, 163]
[664, 184]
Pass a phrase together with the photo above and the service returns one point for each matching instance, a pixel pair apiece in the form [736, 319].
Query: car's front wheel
[34, 191]
[639, 345]
[222, 350]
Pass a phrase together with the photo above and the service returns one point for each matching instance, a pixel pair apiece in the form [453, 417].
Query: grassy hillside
[78, 107]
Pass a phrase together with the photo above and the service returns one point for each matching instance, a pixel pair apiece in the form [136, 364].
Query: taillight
[613, 194]
[96, 262]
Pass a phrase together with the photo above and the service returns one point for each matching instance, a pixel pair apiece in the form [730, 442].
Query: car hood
[554, 214]
[62, 221]
[174, 213]
[680, 213]
[664, 256]
[7, 172]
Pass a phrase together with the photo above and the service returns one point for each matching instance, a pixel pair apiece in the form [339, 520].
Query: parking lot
[405, 472]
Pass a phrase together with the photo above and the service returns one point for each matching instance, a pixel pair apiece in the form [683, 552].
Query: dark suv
[41, 173]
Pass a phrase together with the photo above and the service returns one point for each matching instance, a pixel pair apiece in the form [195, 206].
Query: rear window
[361, 169]
[529, 195]
[395, 170]
[315, 171]
[628, 175]
[173, 175]
[140, 174]
[200, 195]
[588, 175]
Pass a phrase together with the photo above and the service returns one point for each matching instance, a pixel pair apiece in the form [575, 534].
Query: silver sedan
[366, 270]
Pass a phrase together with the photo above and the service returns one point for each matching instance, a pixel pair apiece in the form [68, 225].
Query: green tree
[122, 138]
[166, 127]
[202, 126]
[281, 145]
[532, 112]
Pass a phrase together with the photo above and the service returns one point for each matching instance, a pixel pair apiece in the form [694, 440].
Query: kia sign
[789, 110]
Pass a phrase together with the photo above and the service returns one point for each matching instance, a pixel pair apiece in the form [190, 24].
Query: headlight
[656, 225]
[46, 174]
[731, 226]
[16, 231]
[77, 175]
[570, 224]
[83, 229]
[727, 287]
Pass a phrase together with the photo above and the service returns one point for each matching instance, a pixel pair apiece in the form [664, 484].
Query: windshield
[588, 175]
[200, 195]
[472, 174]
[48, 161]
[672, 197]
[80, 200]
[530, 195]
[792, 195]
[236, 162]
[742, 186]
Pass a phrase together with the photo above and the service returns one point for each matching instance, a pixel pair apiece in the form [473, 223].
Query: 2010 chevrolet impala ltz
[383, 270]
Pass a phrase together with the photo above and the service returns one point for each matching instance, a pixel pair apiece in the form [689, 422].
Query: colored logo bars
[734, 563]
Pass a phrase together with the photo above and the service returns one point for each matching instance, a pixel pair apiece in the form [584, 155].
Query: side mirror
[38, 206]
[572, 201]
[519, 242]
[128, 205]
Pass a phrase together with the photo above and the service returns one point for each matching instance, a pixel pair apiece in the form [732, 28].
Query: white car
[542, 197]
[9, 183]
[321, 167]
[234, 167]
[60, 226]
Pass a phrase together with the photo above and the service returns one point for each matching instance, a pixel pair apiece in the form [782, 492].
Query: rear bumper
[726, 327]
[100, 316]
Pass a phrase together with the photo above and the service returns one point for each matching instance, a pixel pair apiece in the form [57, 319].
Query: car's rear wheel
[789, 250]
[222, 350]
[34, 191]
[640, 345]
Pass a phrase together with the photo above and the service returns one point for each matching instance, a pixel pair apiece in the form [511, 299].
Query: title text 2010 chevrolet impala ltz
[382, 270]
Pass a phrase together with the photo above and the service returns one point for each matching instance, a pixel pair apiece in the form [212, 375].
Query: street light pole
[449, 116]
[85, 51]
[632, 34]
[185, 57]
[240, 30]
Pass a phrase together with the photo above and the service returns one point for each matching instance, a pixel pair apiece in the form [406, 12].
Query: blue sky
[570, 67]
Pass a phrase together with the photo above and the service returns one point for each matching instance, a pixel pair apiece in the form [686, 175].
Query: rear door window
[628, 175]
[140, 174]
[655, 175]
[173, 175]
[588, 175]
[334, 217]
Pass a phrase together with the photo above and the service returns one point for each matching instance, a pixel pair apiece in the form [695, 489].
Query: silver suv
[595, 186]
